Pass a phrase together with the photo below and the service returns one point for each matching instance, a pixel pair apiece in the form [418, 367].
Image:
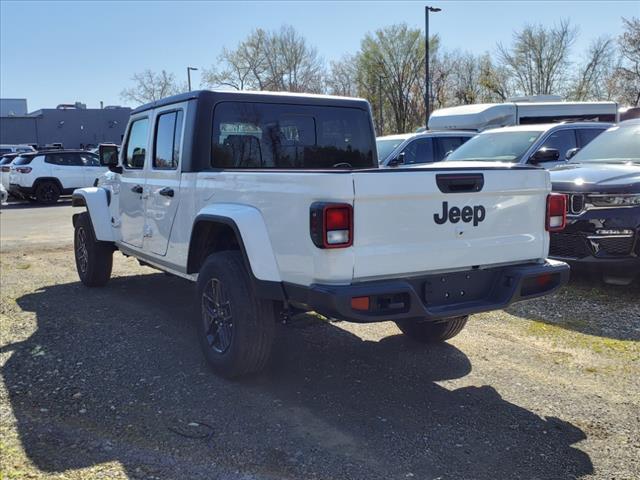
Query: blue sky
[60, 52]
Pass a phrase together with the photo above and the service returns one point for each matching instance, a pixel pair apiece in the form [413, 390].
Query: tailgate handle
[460, 183]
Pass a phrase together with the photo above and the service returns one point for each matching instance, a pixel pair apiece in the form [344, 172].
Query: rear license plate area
[458, 287]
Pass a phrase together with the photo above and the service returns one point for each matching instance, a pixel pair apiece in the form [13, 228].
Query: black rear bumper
[433, 297]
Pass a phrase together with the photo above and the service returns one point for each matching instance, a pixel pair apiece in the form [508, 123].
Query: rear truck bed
[434, 243]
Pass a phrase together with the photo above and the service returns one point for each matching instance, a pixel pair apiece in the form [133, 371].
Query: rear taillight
[556, 212]
[331, 225]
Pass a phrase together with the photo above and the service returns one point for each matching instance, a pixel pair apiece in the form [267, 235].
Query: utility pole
[189, 76]
[427, 78]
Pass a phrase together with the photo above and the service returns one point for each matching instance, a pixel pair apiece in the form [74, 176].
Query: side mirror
[545, 154]
[399, 160]
[108, 153]
[571, 153]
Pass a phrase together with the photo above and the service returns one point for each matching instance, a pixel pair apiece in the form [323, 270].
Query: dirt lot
[109, 383]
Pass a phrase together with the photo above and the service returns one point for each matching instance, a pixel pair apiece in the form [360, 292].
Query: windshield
[385, 147]
[504, 146]
[616, 145]
[6, 160]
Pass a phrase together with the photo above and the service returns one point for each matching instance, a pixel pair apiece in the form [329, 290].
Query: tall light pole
[427, 78]
[189, 75]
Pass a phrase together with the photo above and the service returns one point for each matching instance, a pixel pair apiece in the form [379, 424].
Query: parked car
[4, 149]
[273, 203]
[547, 145]
[46, 175]
[417, 148]
[5, 168]
[603, 221]
[521, 111]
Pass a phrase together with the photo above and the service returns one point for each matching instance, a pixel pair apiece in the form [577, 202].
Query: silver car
[415, 148]
[547, 145]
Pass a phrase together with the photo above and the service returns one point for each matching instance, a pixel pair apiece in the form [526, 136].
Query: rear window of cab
[262, 136]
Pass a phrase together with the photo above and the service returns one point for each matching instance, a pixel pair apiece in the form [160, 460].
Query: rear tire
[235, 328]
[94, 259]
[47, 193]
[431, 332]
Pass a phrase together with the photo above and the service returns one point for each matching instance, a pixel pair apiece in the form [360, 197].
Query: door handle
[166, 192]
[137, 189]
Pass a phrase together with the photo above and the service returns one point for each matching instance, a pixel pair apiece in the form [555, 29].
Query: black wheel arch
[216, 233]
[54, 180]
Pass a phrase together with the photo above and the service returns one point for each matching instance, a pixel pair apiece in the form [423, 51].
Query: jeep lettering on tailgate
[455, 214]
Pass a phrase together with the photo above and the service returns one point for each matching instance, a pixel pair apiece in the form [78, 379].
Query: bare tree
[627, 74]
[591, 81]
[393, 57]
[280, 60]
[150, 86]
[538, 58]
[342, 77]
[495, 81]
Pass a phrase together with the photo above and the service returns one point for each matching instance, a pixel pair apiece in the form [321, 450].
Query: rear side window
[585, 135]
[263, 135]
[65, 159]
[23, 160]
[419, 151]
[562, 140]
[445, 145]
[136, 150]
[167, 142]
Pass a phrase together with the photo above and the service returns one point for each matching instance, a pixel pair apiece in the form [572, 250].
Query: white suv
[47, 175]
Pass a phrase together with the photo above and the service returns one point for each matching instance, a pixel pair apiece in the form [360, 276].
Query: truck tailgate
[404, 223]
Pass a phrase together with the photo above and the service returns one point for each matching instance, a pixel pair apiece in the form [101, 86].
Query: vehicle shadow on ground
[25, 204]
[596, 308]
[114, 373]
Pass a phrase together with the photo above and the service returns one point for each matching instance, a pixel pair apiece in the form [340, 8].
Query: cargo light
[331, 225]
[556, 212]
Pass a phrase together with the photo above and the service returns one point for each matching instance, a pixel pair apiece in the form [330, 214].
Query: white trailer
[520, 111]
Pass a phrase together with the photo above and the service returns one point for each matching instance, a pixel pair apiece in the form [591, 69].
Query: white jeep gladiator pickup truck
[274, 203]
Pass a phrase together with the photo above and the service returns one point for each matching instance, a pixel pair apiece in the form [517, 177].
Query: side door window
[163, 181]
[562, 140]
[585, 135]
[67, 167]
[419, 151]
[445, 145]
[136, 150]
[167, 141]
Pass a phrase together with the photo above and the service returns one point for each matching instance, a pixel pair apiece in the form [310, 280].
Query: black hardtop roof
[262, 97]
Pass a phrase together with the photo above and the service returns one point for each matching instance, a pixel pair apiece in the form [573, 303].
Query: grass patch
[628, 348]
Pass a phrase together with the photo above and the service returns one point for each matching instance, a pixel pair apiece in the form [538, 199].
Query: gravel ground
[109, 383]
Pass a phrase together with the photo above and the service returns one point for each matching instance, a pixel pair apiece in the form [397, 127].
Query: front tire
[94, 259]
[47, 193]
[236, 328]
[432, 332]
